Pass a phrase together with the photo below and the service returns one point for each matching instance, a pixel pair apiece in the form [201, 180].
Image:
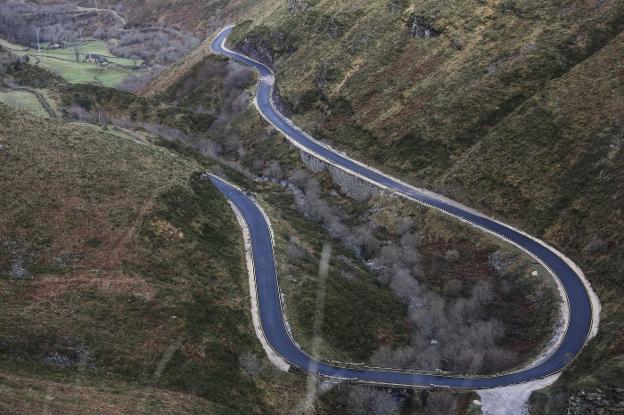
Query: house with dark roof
[99, 60]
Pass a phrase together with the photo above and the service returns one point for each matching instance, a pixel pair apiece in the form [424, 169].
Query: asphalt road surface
[270, 307]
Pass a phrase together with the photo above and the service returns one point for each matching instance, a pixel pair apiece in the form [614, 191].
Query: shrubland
[510, 107]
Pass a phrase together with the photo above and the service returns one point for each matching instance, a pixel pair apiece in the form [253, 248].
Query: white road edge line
[277, 360]
[594, 300]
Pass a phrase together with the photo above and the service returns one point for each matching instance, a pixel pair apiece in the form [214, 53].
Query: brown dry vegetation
[515, 109]
[27, 395]
[205, 85]
[116, 260]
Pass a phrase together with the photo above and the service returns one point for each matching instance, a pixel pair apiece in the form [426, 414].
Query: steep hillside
[121, 271]
[199, 16]
[513, 107]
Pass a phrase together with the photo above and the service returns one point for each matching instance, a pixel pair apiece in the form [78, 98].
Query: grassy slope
[199, 16]
[426, 101]
[24, 101]
[28, 395]
[515, 109]
[572, 155]
[117, 238]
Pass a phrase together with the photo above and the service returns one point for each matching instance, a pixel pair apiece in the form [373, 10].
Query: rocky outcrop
[597, 402]
[419, 27]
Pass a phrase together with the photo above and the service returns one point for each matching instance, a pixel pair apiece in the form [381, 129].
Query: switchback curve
[583, 313]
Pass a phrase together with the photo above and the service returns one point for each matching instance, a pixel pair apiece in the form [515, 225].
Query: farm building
[97, 59]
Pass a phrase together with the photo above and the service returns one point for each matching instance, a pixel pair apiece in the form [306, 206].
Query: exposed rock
[297, 6]
[352, 186]
[17, 269]
[396, 5]
[419, 27]
[500, 261]
[597, 402]
[334, 28]
[67, 259]
[72, 356]
[312, 163]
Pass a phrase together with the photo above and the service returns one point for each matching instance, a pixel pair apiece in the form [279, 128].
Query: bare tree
[482, 292]
[371, 401]
[441, 403]
[499, 359]
[54, 33]
[274, 171]
[365, 243]
[409, 246]
[452, 287]
[404, 285]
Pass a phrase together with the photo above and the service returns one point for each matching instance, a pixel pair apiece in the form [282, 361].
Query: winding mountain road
[582, 315]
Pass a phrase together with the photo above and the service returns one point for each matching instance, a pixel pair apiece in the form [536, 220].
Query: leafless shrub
[297, 6]
[441, 403]
[364, 400]
[238, 76]
[123, 122]
[207, 147]
[79, 356]
[295, 251]
[78, 113]
[451, 255]
[136, 83]
[469, 361]
[13, 27]
[419, 354]
[232, 145]
[365, 244]
[595, 246]
[158, 46]
[389, 255]
[274, 171]
[403, 225]
[53, 33]
[410, 242]
[456, 331]
[498, 359]
[452, 287]
[404, 285]
[482, 292]
[251, 364]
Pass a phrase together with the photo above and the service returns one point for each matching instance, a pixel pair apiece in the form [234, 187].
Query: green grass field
[97, 46]
[23, 101]
[63, 63]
